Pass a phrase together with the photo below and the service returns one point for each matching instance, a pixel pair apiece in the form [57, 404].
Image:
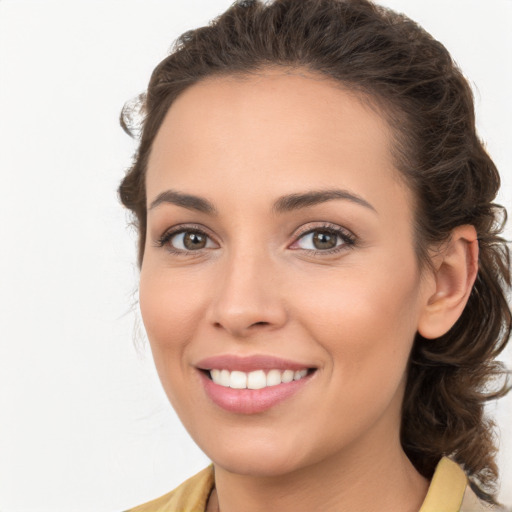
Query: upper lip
[233, 362]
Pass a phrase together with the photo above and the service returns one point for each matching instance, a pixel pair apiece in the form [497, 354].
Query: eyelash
[348, 239]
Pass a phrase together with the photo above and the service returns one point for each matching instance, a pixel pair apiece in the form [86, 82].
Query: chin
[260, 457]
[258, 465]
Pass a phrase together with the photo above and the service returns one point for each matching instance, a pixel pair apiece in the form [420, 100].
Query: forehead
[286, 128]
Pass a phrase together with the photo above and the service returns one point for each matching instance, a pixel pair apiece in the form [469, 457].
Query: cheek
[170, 307]
[366, 323]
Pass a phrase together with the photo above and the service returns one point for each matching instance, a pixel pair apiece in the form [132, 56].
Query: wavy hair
[395, 64]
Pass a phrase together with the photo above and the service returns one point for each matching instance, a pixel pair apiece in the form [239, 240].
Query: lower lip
[251, 401]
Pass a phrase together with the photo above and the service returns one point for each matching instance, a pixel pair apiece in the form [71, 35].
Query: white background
[84, 424]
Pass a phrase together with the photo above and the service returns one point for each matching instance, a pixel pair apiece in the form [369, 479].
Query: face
[280, 246]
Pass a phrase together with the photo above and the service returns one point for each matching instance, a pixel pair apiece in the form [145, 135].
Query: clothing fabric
[448, 492]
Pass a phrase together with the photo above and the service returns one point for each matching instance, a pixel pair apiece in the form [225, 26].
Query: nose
[247, 297]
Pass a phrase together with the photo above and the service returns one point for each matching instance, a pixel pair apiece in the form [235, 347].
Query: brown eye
[193, 240]
[324, 240]
[186, 240]
[320, 240]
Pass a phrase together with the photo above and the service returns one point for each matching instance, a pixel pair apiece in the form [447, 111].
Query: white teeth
[256, 379]
[273, 378]
[287, 376]
[224, 378]
[238, 380]
[299, 374]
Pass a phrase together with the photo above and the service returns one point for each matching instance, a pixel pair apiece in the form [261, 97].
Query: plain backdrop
[84, 424]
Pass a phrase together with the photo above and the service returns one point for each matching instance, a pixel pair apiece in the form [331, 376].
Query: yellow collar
[447, 488]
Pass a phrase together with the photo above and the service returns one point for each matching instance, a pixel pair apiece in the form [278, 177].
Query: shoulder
[190, 496]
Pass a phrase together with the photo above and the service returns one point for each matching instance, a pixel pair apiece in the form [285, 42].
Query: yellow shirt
[448, 492]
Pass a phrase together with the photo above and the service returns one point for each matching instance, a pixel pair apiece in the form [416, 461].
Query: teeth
[273, 378]
[287, 376]
[224, 378]
[256, 379]
[238, 380]
[299, 374]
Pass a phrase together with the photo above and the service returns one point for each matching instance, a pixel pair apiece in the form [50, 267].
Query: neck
[385, 481]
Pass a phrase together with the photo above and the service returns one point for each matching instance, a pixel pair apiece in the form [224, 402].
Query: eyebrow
[282, 205]
[311, 198]
[185, 201]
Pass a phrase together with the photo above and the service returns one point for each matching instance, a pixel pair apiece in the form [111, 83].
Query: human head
[403, 71]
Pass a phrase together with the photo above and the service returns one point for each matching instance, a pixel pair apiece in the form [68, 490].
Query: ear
[455, 270]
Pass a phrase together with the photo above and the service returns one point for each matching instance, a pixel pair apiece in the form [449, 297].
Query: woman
[322, 278]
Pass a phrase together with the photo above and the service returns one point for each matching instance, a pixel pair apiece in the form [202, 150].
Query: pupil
[193, 241]
[324, 240]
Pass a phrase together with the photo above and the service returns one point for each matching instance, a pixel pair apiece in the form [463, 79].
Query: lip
[233, 362]
[250, 401]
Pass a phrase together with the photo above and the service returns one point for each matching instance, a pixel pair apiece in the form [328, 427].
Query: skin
[258, 287]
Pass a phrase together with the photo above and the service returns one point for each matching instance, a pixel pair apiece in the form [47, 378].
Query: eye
[325, 239]
[185, 240]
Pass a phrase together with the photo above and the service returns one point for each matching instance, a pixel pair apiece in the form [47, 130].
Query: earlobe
[456, 268]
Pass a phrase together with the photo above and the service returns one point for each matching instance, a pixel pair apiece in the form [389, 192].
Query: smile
[250, 385]
[256, 379]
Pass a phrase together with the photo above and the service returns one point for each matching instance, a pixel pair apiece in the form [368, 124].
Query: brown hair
[391, 60]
